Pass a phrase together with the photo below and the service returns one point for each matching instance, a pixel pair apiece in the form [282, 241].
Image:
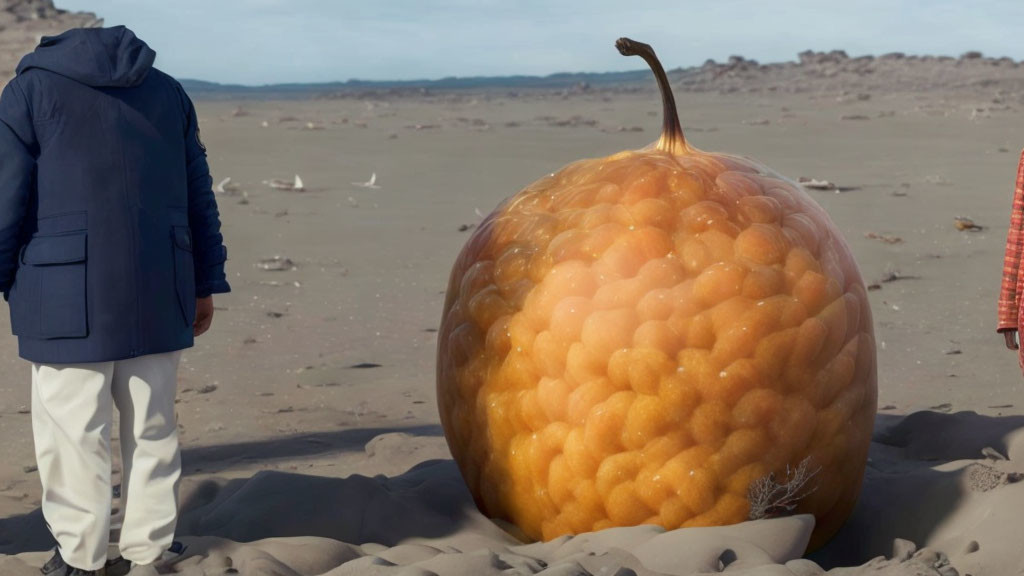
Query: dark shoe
[117, 567]
[55, 566]
[176, 550]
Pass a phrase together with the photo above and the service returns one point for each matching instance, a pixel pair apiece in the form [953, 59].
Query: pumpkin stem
[672, 139]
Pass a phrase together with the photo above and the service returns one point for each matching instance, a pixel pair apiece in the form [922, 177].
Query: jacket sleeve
[18, 148]
[1009, 293]
[208, 250]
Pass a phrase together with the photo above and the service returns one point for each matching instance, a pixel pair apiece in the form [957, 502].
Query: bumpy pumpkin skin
[637, 339]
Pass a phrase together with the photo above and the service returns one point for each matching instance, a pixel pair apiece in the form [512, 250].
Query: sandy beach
[307, 416]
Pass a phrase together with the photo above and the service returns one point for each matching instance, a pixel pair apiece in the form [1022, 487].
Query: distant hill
[560, 81]
[832, 71]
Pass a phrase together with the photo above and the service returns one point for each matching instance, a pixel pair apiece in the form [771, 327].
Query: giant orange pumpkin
[663, 336]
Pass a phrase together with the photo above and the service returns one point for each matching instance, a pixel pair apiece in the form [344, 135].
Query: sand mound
[946, 481]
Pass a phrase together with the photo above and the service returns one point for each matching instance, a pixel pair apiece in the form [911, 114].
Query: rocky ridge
[836, 70]
[24, 22]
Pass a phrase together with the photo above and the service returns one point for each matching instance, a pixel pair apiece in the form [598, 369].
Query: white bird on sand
[371, 183]
[226, 186]
[276, 184]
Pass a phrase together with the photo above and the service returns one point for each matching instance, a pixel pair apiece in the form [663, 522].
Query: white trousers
[71, 420]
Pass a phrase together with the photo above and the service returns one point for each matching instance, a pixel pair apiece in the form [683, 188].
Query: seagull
[296, 185]
[226, 186]
[371, 183]
[219, 189]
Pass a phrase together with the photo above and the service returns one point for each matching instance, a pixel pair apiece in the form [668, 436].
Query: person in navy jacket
[110, 252]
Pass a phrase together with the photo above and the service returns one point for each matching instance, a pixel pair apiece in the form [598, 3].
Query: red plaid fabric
[1013, 281]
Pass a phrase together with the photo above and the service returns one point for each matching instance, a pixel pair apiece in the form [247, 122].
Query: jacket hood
[100, 57]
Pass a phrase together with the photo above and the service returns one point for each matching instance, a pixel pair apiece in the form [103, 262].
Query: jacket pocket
[184, 272]
[49, 299]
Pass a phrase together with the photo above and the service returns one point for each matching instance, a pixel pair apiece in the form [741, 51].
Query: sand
[310, 434]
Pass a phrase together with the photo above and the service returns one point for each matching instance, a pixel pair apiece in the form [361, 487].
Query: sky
[258, 42]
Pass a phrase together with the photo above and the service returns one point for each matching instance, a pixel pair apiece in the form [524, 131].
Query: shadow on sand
[907, 492]
[294, 500]
[904, 495]
[223, 457]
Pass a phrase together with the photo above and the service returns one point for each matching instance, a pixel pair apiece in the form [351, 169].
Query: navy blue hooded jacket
[109, 229]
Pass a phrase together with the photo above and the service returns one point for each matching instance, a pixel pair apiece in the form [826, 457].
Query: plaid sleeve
[1009, 294]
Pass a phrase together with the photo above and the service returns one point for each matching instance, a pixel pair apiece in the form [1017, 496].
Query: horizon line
[909, 55]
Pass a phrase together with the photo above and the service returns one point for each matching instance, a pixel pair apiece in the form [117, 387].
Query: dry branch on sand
[769, 497]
